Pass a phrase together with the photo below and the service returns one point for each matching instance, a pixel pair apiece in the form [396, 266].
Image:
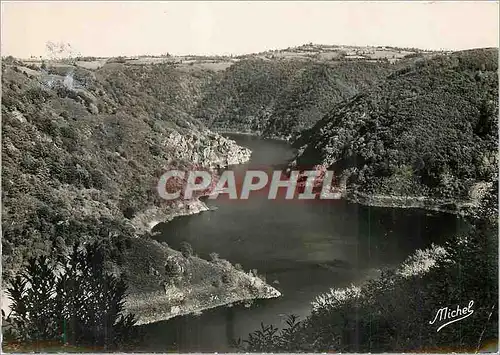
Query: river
[303, 249]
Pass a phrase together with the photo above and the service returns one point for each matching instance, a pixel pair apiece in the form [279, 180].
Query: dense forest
[84, 149]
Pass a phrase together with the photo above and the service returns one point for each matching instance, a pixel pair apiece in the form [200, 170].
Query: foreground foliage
[74, 300]
[392, 313]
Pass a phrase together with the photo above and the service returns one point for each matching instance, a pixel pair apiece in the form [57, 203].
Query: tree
[214, 257]
[174, 269]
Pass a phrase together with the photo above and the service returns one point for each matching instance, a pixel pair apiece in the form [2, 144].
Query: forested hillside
[391, 313]
[428, 131]
[82, 153]
[82, 149]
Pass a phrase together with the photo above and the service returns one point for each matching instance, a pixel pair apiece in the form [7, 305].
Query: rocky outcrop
[278, 98]
[145, 220]
[206, 149]
[155, 295]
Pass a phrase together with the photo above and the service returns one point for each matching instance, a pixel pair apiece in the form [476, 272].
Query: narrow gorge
[411, 136]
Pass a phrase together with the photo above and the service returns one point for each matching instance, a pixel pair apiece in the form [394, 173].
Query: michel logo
[448, 316]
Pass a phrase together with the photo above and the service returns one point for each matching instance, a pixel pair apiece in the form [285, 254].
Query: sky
[189, 27]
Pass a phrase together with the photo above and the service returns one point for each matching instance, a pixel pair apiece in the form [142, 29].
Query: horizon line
[169, 54]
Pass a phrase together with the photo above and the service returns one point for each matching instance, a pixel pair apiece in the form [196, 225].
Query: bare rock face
[93, 109]
[206, 149]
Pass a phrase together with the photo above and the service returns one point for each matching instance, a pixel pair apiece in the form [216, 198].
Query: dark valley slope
[281, 97]
[426, 137]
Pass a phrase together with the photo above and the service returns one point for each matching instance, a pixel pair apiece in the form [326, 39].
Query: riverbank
[146, 220]
[462, 208]
[155, 307]
[205, 285]
[393, 201]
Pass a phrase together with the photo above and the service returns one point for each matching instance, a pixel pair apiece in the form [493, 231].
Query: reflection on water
[303, 247]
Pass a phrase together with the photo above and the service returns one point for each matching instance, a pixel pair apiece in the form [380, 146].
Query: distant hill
[276, 92]
[280, 97]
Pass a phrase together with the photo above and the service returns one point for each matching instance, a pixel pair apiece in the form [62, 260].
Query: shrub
[269, 339]
[217, 283]
[186, 249]
[37, 94]
[226, 278]
[214, 257]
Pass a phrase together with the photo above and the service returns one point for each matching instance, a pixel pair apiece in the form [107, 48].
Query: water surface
[303, 248]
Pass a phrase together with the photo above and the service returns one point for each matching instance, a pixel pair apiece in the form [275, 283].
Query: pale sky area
[134, 28]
